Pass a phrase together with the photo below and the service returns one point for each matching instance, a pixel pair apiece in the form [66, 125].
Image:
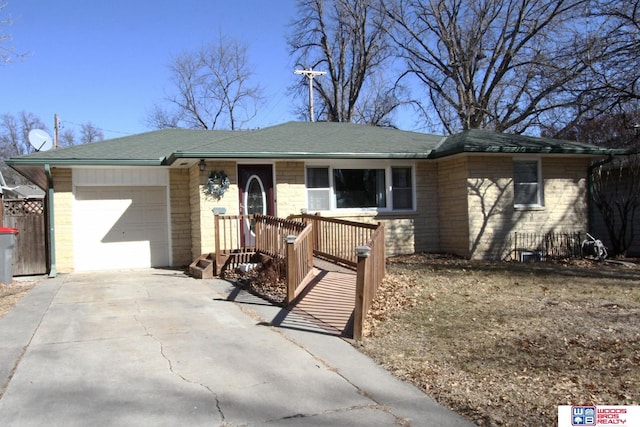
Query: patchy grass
[505, 343]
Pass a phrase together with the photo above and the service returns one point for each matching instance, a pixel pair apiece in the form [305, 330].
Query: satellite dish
[40, 140]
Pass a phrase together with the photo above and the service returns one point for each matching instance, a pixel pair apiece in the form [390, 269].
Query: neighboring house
[23, 192]
[142, 200]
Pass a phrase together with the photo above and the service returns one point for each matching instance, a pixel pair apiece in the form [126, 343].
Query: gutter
[50, 219]
[84, 162]
[297, 155]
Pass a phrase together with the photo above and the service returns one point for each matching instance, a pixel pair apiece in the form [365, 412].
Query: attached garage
[120, 226]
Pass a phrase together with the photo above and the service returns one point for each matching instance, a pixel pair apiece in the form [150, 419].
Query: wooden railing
[276, 237]
[231, 247]
[299, 262]
[271, 233]
[355, 244]
[370, 270]
[336, 239]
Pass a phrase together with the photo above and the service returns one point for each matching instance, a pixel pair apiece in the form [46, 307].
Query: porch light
[202, 165]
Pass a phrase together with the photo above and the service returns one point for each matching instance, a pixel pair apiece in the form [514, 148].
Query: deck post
[291, 268]
[218, 259]
[362, 254]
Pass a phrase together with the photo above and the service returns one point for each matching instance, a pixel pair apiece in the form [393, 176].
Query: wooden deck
[329, 301]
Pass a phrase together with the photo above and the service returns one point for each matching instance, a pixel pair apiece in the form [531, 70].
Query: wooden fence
[30, 250]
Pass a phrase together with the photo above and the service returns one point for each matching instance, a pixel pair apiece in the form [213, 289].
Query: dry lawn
[506, 343]
[11, 294]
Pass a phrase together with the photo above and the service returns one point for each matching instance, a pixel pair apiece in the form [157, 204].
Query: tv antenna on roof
[40, 140]
[310, 74]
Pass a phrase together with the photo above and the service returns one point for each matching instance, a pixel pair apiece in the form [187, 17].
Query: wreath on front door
[218, 183]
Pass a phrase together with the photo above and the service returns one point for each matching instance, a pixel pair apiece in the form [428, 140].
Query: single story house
[148, 200]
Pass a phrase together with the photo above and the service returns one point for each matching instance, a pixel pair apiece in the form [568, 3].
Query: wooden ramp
[329, 301]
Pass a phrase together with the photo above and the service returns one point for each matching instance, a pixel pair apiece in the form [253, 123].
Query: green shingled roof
[478, 141]
[295, 140]
[289, 140]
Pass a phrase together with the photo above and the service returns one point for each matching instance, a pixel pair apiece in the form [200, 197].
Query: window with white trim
[527, 183]
[318, 189]
[402, 188]
[349, 188]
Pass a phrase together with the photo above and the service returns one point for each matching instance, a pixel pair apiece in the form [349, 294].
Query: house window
[318, 189]
[402, 188]
[383, 188]
[527, 183]
[359, 188]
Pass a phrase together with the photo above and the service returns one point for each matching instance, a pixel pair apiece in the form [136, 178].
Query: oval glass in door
[255, 199]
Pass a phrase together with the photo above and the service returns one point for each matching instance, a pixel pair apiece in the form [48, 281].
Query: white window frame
[540, 190]
[361, 164]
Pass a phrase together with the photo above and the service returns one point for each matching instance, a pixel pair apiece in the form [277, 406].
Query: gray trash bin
[7, 242]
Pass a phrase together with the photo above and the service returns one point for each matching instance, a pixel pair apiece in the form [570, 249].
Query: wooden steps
[203, 267]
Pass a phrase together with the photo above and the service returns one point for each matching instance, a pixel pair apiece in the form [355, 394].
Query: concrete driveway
[155, 347]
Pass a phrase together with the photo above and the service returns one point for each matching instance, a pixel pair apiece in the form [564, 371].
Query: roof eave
[300, 155]
[527, 150]
[84, 162]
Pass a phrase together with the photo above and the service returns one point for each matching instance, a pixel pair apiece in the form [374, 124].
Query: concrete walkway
[158, 348]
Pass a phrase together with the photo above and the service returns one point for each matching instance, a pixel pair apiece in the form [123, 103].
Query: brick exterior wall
[180, 217]
[290, 190]
[63, 219]
[464, 205]
[453, 215]
[493, 218]
[427, 221]
[202, 204]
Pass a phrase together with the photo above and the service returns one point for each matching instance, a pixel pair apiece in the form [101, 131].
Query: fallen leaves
[506, 343]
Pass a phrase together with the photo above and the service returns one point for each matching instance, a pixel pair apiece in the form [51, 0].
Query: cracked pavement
[155, 347]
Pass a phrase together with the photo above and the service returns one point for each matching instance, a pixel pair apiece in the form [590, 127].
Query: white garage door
[120, 227]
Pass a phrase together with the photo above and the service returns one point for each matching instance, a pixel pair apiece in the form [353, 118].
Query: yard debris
[266, 280]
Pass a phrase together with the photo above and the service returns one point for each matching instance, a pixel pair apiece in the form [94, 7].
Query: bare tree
[14, 140]
[347, 39]
[616, 194]
[616, 80]
[212, 89]
[379, 101]
[90, 133]
[497, 64]
[614, 129]
[67, 138]
[8, 53]
[14, 133]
